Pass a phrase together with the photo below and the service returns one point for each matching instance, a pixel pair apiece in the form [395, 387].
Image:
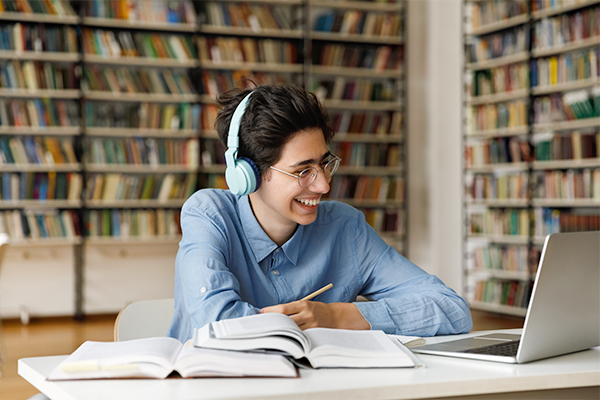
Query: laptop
[563, 314]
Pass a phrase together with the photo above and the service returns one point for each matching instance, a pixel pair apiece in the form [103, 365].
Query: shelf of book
[362, 105]
[367, 138]
[498, 62]
[564, 87]
[40, 130]
[39, 18]
[51, 93]
[148, 169]
[131, 240]
[501, 274]
[557, 8]
[560, 166]
[578, 45]
[140, 97]
[497, 308]
[41, 204]
[498, 97]
[141, 132]
[40, 56]
[46, 242]
[266, 67]
[357, 38]
[383, 6]
[136, 203]
[240, 31]
[133, 24]
[139, 61]
[499, 25]
[40, 167]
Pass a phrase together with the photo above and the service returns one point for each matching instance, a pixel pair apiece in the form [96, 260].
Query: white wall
[434, 62]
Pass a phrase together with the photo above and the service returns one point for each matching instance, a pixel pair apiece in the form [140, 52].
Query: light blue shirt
[228, 267]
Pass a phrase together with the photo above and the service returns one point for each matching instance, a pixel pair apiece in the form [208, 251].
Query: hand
[313, 314]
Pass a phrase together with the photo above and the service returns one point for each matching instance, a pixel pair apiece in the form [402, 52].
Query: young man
[262, 252]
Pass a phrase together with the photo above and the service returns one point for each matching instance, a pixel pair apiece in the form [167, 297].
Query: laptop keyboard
[508, 349]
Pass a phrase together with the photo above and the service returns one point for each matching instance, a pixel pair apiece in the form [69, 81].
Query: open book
[158, 357]
[322, 347]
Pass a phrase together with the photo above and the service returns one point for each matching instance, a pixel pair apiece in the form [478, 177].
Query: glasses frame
[333, 158]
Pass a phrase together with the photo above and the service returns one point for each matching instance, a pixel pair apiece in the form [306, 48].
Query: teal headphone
[242, 175]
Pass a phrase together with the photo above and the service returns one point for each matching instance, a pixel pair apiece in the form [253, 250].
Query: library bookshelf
[531, 140]
[107, 125]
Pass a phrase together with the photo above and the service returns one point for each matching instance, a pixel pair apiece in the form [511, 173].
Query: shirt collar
[260, 243]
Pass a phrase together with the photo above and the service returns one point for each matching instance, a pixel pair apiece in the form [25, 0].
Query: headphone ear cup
[245, 178]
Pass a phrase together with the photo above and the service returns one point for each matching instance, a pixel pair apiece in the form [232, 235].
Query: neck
[278, 231]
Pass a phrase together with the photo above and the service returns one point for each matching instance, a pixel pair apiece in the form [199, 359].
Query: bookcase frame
[530, 241]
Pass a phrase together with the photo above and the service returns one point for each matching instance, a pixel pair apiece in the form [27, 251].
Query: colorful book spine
[215, 82]
[497, 45]
[508, 222]
[247, 15]
[37, 37]
[501, 258]
[566, 68]
[573, 146]
[36, 150]
[503, 292]
[500, 150]
[566, 28]
[248, 50]
[569, 106]
[379, 58]
[507, 186]
[359, 22]
[39, 113]
[28, 185]
[504, 79]
[385, 221]
[568, 184]
[486, 117]
[132, 223]
[367, 188]
[35, 75]
[47, 224]
[489, 12]
[355, 89]
[55, 7]
[119, 187]
[150, 11]
[141, 115]
[548, 221]
[139, 151]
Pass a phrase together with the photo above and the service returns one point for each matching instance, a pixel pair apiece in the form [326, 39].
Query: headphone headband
[242, 175]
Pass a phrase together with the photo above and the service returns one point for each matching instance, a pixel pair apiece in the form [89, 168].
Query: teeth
[308, 202]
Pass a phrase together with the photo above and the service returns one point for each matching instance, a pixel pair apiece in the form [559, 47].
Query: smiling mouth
[307, 202]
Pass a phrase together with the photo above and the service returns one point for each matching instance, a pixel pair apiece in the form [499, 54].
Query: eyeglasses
[308, 176]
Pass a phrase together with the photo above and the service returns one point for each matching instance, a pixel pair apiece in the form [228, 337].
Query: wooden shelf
[522, 166]
[498, 62]
[46, 242]
[367, 138]
[371, 171]
[40, 130]
[564, 87]
[40, 167]
[234, 30]
[129, 24]
[498, 97]
[140, 97]
[266, 67]
[362, 105]
[499, 25]
[567, 125]
[142, 132]
[40, 56]
[140, 169]
[509, 310]
[356, 38]
[150, 203]
[42, 18]
[589, 42]
[517, 203]
[501, 132]
[566, 203]
[567, 164]
[45, 204]
[562, 9]
[501, 274]
[139, 61]
[131, 240]
[357, 5]
[354, 72]
[502, 239]
[372, 203]
[38, 93]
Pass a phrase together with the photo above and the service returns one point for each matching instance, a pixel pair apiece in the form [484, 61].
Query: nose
[321, 183]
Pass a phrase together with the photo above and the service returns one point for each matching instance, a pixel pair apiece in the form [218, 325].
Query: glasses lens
[306, 177]
[332, 166]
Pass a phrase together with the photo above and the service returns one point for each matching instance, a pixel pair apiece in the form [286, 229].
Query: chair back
[144, 319]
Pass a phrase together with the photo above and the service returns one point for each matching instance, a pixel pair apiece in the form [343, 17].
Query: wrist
[348, 316]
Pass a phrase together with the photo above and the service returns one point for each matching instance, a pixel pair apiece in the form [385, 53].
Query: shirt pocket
[339, 294]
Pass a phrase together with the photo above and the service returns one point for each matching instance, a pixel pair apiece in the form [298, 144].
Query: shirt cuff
[376, 315]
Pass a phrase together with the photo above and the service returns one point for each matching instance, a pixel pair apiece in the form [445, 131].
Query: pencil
[318, 292]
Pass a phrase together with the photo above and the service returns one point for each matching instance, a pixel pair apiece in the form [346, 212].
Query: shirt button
[277, 251]
[203, 290]
[275, 272]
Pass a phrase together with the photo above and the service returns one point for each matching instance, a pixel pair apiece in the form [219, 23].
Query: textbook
[322, 347]
[158, 357]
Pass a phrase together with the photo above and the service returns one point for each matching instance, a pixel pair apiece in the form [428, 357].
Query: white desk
[571, 376]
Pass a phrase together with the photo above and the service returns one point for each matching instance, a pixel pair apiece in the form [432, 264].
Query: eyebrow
[311, 161]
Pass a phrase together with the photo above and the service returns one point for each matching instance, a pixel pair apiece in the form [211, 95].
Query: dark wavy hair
[274, 114]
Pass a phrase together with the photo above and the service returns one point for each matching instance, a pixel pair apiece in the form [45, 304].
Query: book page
[253, 325]
[351, 343]
[199, 362]
[151, 357]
